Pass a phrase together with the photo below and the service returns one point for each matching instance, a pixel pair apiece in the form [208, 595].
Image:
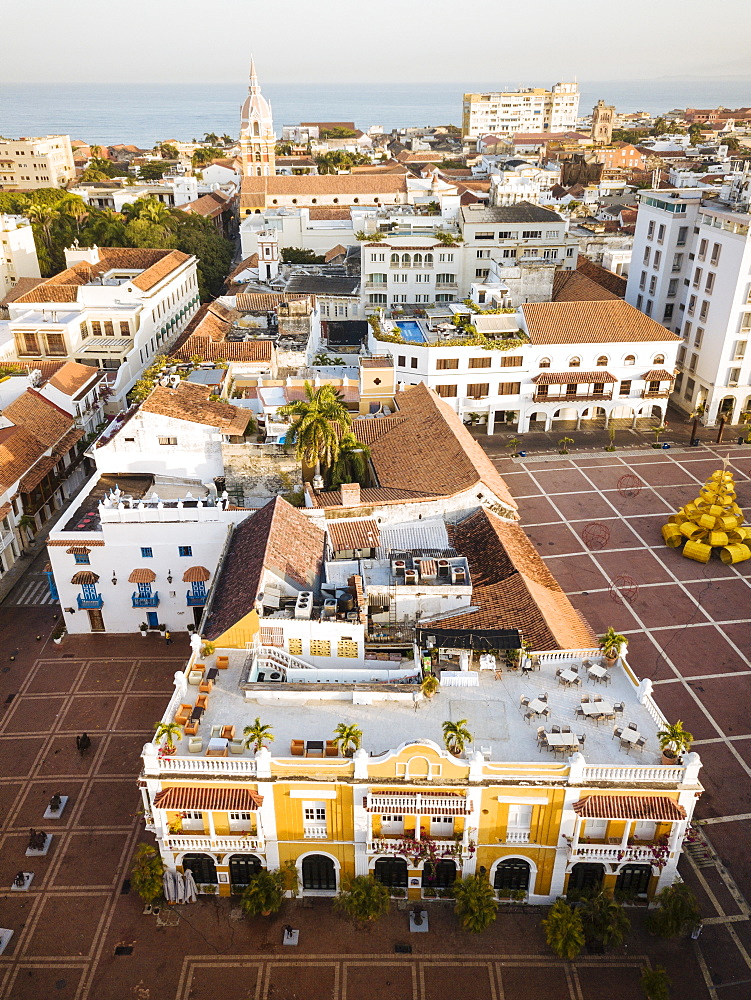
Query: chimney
[350, 494]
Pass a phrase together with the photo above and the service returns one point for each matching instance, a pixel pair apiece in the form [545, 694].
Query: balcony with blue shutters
[143, 596]
[196, 576]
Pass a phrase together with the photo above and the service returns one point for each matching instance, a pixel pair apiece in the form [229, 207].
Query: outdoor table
[217, 747]
[597, 673]
[537, 706]
[595, 708]
[569, 676]
[314, 748]
[459, 679]
[559, 740]
[212, 673]
[630, 735]
[195, 715]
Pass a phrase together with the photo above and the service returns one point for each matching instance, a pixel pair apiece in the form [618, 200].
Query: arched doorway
[513, 873]
[586, 877]
[318, 872]
[440, 875]
[242, 868]
[391, 872]
[634, 879]
[203, 867]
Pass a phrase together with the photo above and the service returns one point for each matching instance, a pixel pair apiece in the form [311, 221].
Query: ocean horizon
[144, 114]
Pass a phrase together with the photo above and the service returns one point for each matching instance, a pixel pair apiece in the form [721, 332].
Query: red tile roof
[573, 376]
[190, 401]
[574, 286]
[353, 534]
[611, 321]
[610, 281]
[73, 376]
[208, 799]
[649, 807]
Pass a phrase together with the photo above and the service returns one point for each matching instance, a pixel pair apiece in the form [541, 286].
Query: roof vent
[304, 604]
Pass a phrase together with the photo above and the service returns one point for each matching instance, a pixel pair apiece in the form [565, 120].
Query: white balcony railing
[315, 831]
[203, 842]
[386, 845]
[655, 773]
[418, 804]
[517, 836]
[611, 853]
[206, 765]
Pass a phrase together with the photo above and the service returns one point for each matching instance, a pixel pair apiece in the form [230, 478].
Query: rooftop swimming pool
[411, 331]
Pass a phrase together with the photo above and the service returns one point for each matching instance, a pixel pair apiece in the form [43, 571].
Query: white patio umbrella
[191, 890]
[170, 885]
[179, 887]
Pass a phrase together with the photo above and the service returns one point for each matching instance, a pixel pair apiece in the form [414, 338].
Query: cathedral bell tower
[257, 139]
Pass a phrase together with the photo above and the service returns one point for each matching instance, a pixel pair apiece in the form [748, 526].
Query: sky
[503, 42]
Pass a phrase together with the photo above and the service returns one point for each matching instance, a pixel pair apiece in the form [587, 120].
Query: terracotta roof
[369, 496]
[654, 807]
[612, 321]
[37, 425]
[248, 262]
[47, 368]
[196, 574]
[336, 251]
[353, 534]
[84, 576]
[608, 279]
[278, 538]
[159, 271]
[208, 799]
[226, 350]
[5, 509]
[73, 376]
[658, 375]
[575, 286]
[382, 361]
[83, 541]
[48, 462]
[190, 401]
[310, 185]
[142, 576]
[78, 550]
[21, 287]
[208, 206]
[48, 422]
[263, 301]
[212, 320]
[328, 213]
[513, 587]
[574, 375]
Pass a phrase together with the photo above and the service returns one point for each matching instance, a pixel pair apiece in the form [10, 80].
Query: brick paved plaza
[689, 631]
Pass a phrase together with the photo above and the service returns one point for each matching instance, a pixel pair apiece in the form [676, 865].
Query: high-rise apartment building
[689, 270]
[18, 255]
[531, 109]
[28, 164]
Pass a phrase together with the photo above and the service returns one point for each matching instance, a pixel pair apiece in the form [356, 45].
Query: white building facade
[689, 270]
[18, 255]
[42, 162]
[531, 109]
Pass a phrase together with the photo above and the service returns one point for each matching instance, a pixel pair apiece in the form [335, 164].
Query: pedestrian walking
[83, 743]
[167, 638]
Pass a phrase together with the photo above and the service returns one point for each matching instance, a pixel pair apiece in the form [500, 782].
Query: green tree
[475, 905]
[257, 734]
[169, 732]
[694, 134]
[674, 739]
[167, 151]
[348, 737]
[605, 922]
[206, 154]
[199, 236]
[264, 893]
[147, 873]
[105, 228]
[316, 424]
[677, 911]
[655, 983]
[298, 255]
[153, 170]
[456, 736]
[362, 899]
[660, 127]
[351, 465]
[564, 930]
[73, 207]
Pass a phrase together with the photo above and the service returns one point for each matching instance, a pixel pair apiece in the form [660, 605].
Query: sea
[144, 114]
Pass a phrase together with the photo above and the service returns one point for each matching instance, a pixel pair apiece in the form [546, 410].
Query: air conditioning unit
[411, 576]
[398, 566]
[444, 567]
[304, 604]
[329, 608]
[458, 575]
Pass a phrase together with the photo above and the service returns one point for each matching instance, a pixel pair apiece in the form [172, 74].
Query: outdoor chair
[606, 678]
[581, 738]
[641, 743]
[222, 662]
[618, 708]
[540, 733]
[202, 701]
[216, 732]
[528, 717]
[236, 746]
[544, 697]
[191, 727]
[206, 686]
[331, 749]
[559, 671]
[545, 713]
[632, 725]
[617, 731]
[625, 745]
[580, 712]
[297, 748]
[565, 729]
[555, 729]
[183, 714]
[228, 733]
[597, 697]
[585, 699]
[195, 744]
[486, 750]
[523, 701]
[195, 677]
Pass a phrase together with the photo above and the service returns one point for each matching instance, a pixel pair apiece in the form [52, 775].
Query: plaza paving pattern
[689, 632]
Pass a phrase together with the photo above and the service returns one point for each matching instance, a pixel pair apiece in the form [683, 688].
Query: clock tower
[257, 139]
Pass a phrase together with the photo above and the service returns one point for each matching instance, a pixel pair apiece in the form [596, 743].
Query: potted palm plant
[611, 644]
[265, 893]
[147, 873]
[456, 736]
[348, 738]
[257, 734]
[475, 906]
[430, 685]
[169, 732]
[674, 740]
[363, 899]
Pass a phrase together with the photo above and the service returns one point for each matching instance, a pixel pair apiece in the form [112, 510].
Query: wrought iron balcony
[152, 601]
[195, 600]
[90, 603]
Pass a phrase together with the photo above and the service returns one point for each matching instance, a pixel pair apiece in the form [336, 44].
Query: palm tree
[264, 894]
[74, 208]
[107, 229]
[348, 738]
[314, 427]
[605, 922]
[169, 732]
[43, 217]
[564, 930]
[674, 740]
[257, 735]
[363, 899]
[456, 736]
[147, 873]
[677, 911]
[655, 983]
[563, 445]
[351, 465]
[475, 906]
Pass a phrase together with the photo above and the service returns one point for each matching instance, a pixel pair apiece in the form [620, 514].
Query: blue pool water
[411, 331]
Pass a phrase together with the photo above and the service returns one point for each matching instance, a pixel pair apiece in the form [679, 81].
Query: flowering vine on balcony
[659, 850]
[425, 849]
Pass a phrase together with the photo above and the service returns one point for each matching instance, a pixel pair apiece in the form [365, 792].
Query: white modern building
[28, 164]
[113, 308]
[18, 254]
[689, 270]
[531, 109]
[573, 361]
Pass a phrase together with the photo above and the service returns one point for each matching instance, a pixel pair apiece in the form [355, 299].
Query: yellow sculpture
[712, 521]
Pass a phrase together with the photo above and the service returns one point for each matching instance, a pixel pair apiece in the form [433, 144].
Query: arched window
[242, 868]
[440, 875]
[575, 363]
[658, 359]
[417, 260]
[629, 360]
[391, 872]
[256, 129]
[394, 258]
[602, 361]
[512, 874]
[258, 171]
[544, 362]
[634, 879]
[318, 872]
[585, 876]
[203, 867]
[406, 260]
[428, 258]
[258, 157]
